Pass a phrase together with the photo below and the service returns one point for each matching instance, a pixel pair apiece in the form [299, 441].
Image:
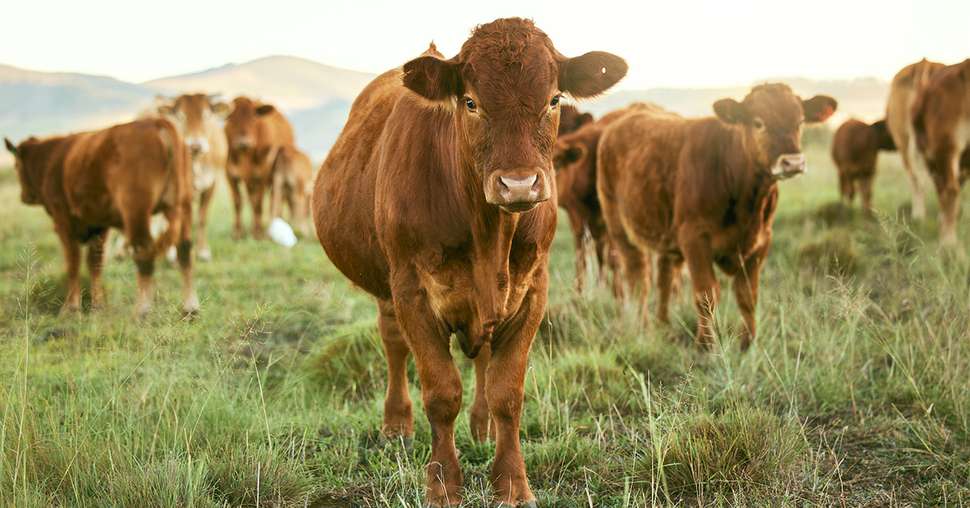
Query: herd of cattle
[439, 199]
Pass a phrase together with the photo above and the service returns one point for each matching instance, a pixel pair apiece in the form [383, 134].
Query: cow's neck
[750, 181]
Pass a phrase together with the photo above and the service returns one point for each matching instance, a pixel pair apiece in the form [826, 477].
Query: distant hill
[314, 96]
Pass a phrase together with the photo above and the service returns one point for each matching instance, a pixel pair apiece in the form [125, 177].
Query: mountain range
[316, 97]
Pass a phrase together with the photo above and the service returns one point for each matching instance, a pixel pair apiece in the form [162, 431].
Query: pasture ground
[856, 392]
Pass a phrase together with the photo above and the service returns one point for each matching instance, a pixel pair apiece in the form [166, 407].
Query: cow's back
[905, 85]
[637, 170]
[275, 130]
[850, 145]
[343, 196]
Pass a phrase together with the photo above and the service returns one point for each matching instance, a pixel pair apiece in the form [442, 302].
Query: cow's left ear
[819, 108]
[591, 74]
[432, 78]
[731, 111]
[584, 119]
[10, 147]
[221, 109]
[265, 109]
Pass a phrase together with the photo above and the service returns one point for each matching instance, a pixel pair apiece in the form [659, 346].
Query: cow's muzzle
[789, 165]
[517, 190]
[197, 146]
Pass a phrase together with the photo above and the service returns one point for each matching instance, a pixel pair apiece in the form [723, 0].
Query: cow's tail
[179, 183]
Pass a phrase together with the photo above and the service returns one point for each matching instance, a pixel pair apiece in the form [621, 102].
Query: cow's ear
[432, 78]
[731, 111]
[166, 109]
[574, 153]
[584, 119]
[591, 74]
[265, 109]
[10, 147]
[221, 109]
[819, 108]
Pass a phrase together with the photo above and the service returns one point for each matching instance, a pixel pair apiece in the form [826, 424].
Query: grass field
[856, 392]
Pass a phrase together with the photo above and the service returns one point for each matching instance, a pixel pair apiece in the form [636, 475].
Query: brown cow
[905, 86]
[255, 132]
[702, 190]
[292, 174]
[941, 123]
[855, 148]
[438, 200]
[575, 163]
[197, 118]
[570, 119]
[117, 177]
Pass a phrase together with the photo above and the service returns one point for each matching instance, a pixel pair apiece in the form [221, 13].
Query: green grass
[856, 392]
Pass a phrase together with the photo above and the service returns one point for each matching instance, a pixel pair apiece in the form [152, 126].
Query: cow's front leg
[205, 199]
[440, 391]
[256, 190]
[745, 287]
[237, 227]
[505, 388]
[72, 258]
[700, 262]
[480, 419]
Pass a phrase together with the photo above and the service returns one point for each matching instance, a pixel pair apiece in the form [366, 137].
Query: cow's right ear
[584, 119]
[574, 153]
[221, 109]
[432, 78]
[265, 109]
[10, 147]
[731, 111]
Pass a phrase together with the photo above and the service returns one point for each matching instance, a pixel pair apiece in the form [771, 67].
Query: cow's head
[194, 115]
[772, 117]
[881, 137]
[570, 119]
[505, 86]
[242, 124]
[29, 191]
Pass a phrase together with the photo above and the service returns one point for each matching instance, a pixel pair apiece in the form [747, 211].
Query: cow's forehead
[512, 75]
[775, 104]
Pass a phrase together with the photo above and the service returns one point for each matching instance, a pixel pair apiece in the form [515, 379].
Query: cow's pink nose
[789, 165]
[517, 190]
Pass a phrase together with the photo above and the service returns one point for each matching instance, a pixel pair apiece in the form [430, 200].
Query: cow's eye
[470, 104]
[758, 124]
[555, 100]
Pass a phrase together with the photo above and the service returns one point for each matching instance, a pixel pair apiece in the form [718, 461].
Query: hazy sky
[669, 43]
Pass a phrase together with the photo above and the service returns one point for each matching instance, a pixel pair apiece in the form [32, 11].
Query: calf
[941, 123]
[292, 172]
[702, 190]
[437, 198]
[117, 177]
[197, 117]
[255, 133]
[575, 162]
[854, 149]
[902, 92]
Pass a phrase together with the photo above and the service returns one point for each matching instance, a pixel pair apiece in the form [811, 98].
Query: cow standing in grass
[117, 177]
[855, 148]
[702, 190]
[255, 133]
[438, 199]
[197, 116]
[292, 175]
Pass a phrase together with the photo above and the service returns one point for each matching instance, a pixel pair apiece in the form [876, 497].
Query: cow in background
[198, 118]
[255, 132]
[703, 191]
[941, 123]
[292, 185]
[855, 148]
[117, 177]
[902, 92]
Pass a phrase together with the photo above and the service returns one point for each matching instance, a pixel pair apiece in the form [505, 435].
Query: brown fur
[197, 118]
[255, 133]
[902, 92]
[409, 205]
[941, 123]
[701, 190]
[575, 162]
[570, 119]
[117, 177]
[292, 174]
[855, 148]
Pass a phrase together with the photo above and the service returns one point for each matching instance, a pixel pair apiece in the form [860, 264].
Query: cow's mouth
[519, 207]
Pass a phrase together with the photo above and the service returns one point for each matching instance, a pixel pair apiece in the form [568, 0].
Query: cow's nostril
[509, 183]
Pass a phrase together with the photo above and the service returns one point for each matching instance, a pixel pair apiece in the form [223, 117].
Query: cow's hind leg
[913, 161]
[257, 191]
[182, 218]
[238, 232]
[668, 267]
[204, 253]
[398, 419]
[72, 258]
[864, 185]
[945, 168]
[96, 253]
[138, 230]
[635, 268]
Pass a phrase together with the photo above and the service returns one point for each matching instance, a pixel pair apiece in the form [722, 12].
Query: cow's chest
[749, 228]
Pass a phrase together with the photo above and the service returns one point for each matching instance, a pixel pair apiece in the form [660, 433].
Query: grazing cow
[575, 163]
[854, 149]
[292, 174]
[117, 177]
[437, 198]
[702, 190]
[255, 133]
[570, 119]
[905, 86]
[197, 117]
[941, 123]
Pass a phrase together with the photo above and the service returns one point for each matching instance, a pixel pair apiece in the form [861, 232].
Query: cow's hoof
[524, 504]
[433, 505]
[191, 306]
[205, 254]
